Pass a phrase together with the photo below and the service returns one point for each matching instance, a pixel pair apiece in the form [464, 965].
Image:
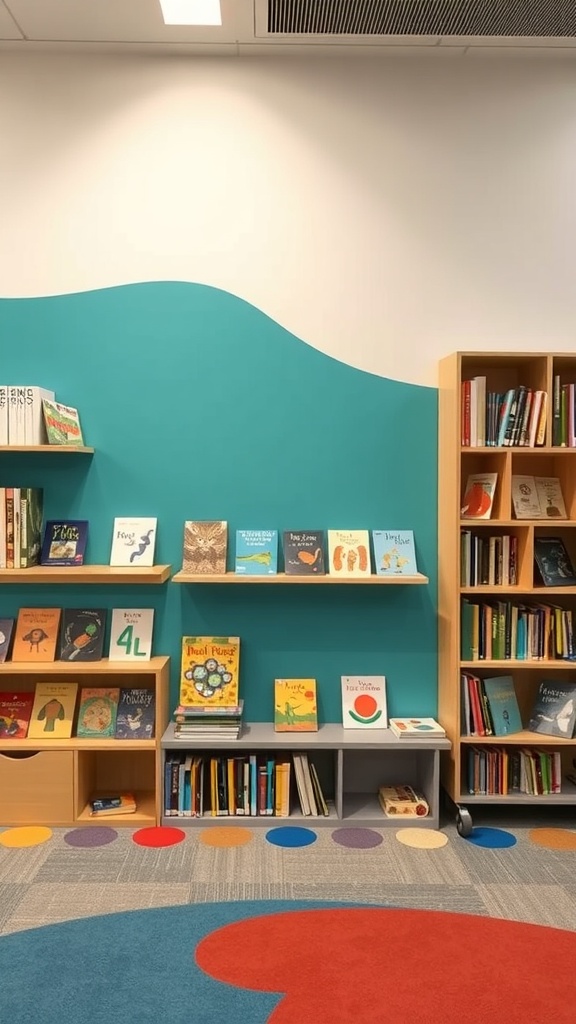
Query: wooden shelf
[60, 449]
[77, 743]
[95, 574]
[519, 450]
[540, 665]
[520, 739]
[282, 578]
[84, 668]
[145, 813]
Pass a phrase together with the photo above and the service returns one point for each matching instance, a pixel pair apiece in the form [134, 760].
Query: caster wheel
[463, 822]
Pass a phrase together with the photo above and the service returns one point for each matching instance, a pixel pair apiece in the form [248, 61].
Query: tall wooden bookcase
[502, 371]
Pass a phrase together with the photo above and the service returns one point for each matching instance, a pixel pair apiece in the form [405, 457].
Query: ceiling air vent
[509, 18]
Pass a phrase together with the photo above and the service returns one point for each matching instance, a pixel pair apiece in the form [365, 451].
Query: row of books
[563, 414]
[516, 417]
[502, 630]
[490, 707]
[533, 497]
[53, 711]
[495, 771]
[30, 415]
[488, 561]
[76, 634]
[208, 723]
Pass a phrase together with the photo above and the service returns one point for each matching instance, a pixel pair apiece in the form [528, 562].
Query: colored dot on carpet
[28, 835]
[91, 837]
[158, 835]
[491, 838]
[357, 838]
[421, 838]
[231, 836]
[553, 838]
[291, 835]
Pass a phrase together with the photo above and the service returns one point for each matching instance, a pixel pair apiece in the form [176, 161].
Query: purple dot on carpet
[91, 837]
[357, 838]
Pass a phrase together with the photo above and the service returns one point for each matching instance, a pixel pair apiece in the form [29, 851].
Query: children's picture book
[394, 552]
[36, 634]
[554, 709]
[31, 515]
[133, 541]
[553, 562]
[209, 671]
[364, 702]
[6, 634]
[295, 707]
[503, 705]
[97, 711]
[131, 634]
[419, 728]
[479, 496]
[349, 553]
[303, 552]
[62, 423]
[537, 497]
[53, 711]
[403, 802]
[15, 712]
[205, 546]
[64, 542]
[256, 552]
[136, 714]
[82, 634]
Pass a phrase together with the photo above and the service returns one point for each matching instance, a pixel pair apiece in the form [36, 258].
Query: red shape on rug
[158, 835]
[377, 966]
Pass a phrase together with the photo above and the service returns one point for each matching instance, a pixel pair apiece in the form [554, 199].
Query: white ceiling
[137, 26]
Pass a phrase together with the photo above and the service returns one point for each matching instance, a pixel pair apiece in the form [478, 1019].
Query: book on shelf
[82, 634]
[349, 553]
[563, 414]
[488, 560]
[131, 634]
[53, 711]
[64, 542]
[209, 671]
[403, 802]
[107, 806]
[537, 497]
[394, 552]
[256, 552]
[503, 705]
[97, 712]
[185, 713]
[62, 423]
[136, 713]
[418, 728]
[133, 541]
[295, 705]
[31, 516]
[553, 562]
[6, 634]
[303, 552]
[36, 634]
[554, 710]
[34, 423]
[4, 436]
[478, 499]
[494, 419]
[205, 545]
[15, 712]
[364, 702]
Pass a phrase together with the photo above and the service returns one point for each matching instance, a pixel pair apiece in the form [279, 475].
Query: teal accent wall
[200, 406]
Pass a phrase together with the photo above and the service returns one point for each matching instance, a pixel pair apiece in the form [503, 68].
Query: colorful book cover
[417, 727]
[394, 552]
[205, 544]
[82, 634]
[554, 710]
[133, 541]
[36, 634]
[553, 562]
[131, 634]
[256, 552]
[53, 711]
[62, 423]
[479, 496]
[97, 712]
[136, 714]
[64, 542]
[6, 634]
[31, 515]
[364, 702]
[503, 705]
[349, 553]
[304, 552]
[209, 671]
[295, 707]
[15, 712]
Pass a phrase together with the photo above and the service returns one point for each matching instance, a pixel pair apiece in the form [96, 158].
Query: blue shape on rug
[491, 838]
[291, 836]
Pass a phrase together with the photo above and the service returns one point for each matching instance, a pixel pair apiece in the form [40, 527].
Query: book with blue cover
[394, 552]
[64, 542]
[256, 552]
[503, 705]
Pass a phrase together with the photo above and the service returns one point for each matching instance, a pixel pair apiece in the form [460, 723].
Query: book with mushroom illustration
[349, 553]
[304, 552]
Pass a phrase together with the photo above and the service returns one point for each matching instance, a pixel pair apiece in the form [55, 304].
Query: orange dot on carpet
[553, 838]
[28, 835]
[231, 836]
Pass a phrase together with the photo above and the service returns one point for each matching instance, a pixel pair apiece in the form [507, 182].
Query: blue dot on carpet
[493, 838]
[291, 835]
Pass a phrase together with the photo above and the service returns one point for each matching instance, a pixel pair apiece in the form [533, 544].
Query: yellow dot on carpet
[231, 836]
[421, 838]
[553, 838]
[29, 835]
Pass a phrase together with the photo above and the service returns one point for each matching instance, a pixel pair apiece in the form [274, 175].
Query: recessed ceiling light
[191, 12]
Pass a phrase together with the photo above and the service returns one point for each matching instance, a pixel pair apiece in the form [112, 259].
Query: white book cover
[349, 553]
[16, 414]
[133, 541]
[417, 727]
[131, 634]
[525, 497]
[550, 496]
[364, 702]
[34, 426]
[3, 414]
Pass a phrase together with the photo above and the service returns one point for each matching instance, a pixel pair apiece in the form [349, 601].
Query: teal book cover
[256, 552]
[394, 552]
[503, 705]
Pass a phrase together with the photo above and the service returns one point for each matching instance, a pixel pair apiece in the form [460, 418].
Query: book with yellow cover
[209, 671]
[36, 634]
[295, 707]
[53, 711]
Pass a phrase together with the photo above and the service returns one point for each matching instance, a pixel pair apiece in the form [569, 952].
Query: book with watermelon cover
[62, 423]
[295, 706]
[15, 712]
[209, 671]
[82, 634]
[364, 702]
[98, 711]
[256, 552]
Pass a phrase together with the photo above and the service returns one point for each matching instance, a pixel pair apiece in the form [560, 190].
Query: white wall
[385, 212]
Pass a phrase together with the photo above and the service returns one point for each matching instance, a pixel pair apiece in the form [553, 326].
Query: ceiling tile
[8, 27]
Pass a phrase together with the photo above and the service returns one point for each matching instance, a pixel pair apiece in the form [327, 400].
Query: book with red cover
[15, 712]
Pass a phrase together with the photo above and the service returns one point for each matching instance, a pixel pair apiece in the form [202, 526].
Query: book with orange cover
[36, 634]
[295, 708]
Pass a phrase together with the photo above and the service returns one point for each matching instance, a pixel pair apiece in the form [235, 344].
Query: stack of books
[208, 723]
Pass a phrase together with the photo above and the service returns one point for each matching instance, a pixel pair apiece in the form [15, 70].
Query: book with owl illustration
[53, 711]
[82, 634]
[15, 711]
[479, 496]
[36, 634]
[304, 552]
[394, 552]
[295, 707]
[349, 553]
[256, 552]
[133, 541]
[209, 671]
[205, 544]
[98, 711]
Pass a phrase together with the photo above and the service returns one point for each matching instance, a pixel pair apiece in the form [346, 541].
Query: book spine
[4, 414]
[9, 527]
